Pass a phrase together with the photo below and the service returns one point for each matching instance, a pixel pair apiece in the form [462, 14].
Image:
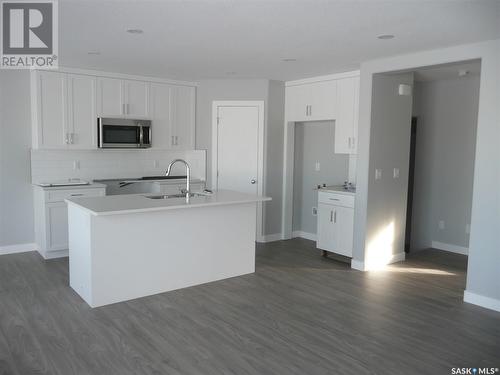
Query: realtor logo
[29, 34]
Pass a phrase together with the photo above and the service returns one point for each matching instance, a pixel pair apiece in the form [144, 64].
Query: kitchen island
[129, 246]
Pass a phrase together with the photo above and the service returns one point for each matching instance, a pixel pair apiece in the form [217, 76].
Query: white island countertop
[135, 203]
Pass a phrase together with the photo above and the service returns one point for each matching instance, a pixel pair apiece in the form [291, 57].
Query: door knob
[253, 182]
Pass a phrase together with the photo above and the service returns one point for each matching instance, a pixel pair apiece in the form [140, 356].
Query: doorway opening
[422, 146]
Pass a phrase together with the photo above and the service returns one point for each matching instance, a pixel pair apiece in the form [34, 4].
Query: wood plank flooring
[298, 314]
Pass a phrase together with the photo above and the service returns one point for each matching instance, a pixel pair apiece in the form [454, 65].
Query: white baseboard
[483, 301]
[302, 234]
[363, 266]
[270, 237]
[18, 248]
[54, 254]
[449, 247]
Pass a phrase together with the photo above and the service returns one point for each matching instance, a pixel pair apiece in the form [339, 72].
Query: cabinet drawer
[336, 199]
[61, 195]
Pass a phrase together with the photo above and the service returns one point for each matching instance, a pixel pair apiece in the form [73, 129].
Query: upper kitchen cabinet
[346, 123]
[122, 98]
[172, 111]
[49, 109]
[334, 98]
[64, 110]
[82, 115]
[311, 101]
[183, 102]
[160, 112]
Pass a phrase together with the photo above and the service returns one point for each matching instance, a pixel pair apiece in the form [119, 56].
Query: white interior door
[237, 158]
[238, 148]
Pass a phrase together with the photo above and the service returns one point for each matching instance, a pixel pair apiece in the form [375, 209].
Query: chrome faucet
[188, 175]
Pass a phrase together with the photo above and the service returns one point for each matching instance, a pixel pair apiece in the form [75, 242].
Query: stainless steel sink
[168, 196]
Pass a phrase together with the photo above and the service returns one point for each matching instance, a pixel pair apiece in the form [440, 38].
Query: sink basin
[168, 196]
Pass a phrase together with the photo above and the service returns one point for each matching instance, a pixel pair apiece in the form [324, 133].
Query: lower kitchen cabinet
[335, 223]
[51, 216]
[176, 187]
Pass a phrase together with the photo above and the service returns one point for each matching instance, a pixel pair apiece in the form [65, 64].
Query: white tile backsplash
[47, 165]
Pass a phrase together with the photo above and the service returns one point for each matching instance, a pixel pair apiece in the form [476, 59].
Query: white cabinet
[82, 117]
[136, 94]
[172, 112]
[183, 117]
[65, 115]
[122, 98]
[312, 101]
[346, 123]
[161, 111]
[110, 97]
[334, 98]
[65, 107]
[335, 222]
[51, 216]
[50, 102]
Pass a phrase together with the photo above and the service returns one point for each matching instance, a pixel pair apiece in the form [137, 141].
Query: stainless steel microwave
[123, 133]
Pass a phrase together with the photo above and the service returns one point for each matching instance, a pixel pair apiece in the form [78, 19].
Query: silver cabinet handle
[66, 139]
[331, 216]
[124, 112]
[310, 110]
[128, 108]
[307, 110]
[349, 143]
[333, 199]
[177, 140]
[253, 181]
[335, 216]
[76, 195]
[72, 138]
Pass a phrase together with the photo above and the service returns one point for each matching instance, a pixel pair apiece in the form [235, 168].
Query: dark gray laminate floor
[298, 314]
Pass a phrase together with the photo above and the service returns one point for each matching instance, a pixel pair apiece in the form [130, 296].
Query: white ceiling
[199, 39]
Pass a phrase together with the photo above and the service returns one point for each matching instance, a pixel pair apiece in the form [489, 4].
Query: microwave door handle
[141, 136]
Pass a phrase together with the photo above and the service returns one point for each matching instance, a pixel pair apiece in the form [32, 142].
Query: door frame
[261, 167]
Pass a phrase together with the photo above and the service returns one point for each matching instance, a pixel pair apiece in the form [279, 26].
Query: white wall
[16, 199]
[444, 160]
[272, 93]
[314, 142]
[483, 283]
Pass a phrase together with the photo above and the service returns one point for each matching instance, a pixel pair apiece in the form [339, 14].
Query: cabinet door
[345, 139]
[344, 223]
[52, 114]
[57, 226]
[297, 103]
[323, 100]
[110, 97]
[183, 117]
[136, 98]
[82, 111]
[326, 239]
[160, 112]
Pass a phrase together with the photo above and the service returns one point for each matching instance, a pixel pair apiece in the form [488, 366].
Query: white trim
[329, 77]
[288, 170]
[18, 248]
[450, 247]
[99, 73]
[54, 254]
[483, 301]
[363, 266]
[270, 238]
[306, 235]
[260, 156]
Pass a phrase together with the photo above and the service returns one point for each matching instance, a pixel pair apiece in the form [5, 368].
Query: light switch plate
[441, 225]
[378, 174]
[315, 211]
[317, 167]
[76, 164]
[156, 164]
[395, 173]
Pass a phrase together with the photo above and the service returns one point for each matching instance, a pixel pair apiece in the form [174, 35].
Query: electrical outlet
[395, 173]
[156, 164]
[441, 225]
[378, 174]
[317, 167]
[467, 228]
[315, 211]
[76, 165]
